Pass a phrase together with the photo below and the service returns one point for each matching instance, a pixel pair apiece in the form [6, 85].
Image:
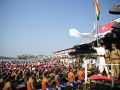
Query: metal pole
[85, 71]
[112, 74]
[96, 26]
[97, 32]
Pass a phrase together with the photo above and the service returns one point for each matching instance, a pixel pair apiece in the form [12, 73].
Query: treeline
[25, 56]
[3, 57]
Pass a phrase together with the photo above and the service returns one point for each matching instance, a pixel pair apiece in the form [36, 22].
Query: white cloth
[84, 37]
[101, 60]
[102, 64]
[58, 88]
[100, 50]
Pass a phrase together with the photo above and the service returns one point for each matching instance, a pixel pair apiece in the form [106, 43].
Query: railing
[112, 72]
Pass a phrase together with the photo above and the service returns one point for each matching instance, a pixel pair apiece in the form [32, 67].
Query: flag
[106, 27]
[97, 9]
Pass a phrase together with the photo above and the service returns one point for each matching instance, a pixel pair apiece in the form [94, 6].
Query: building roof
[64, 50]
[115, 9]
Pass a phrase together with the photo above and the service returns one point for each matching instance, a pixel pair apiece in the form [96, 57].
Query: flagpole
[97, 32]
[96, 25]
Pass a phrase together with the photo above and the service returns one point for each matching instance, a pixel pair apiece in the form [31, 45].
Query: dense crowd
[53, 74]
[18, 75]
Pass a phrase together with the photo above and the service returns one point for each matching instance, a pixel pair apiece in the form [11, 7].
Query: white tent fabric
[88, 37]
[84, 37]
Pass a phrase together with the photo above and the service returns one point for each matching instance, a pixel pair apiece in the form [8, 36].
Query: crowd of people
[52, 74]
[38, 75]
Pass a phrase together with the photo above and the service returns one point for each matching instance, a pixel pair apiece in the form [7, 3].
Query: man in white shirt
[101, 59]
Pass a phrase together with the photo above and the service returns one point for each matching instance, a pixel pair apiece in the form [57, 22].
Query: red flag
[105, 28]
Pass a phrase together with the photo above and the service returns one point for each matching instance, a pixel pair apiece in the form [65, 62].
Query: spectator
[30, 85]
[7, 85]
[71, 76]
[115, 59]
[45, 82]
[57, 80]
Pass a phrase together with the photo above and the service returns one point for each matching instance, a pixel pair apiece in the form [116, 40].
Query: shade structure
[115, 9]
[116, 25]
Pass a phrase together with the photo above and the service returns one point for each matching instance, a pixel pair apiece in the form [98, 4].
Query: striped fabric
[97, 8]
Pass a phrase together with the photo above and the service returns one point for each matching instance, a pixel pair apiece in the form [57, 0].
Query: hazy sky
[41, 26]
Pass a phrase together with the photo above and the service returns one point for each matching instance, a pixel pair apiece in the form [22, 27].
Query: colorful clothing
[71, 77]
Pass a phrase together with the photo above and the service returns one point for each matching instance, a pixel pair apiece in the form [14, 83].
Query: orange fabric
[6, 88]
[96, 6]
[80, 75]
[71, 77]
[29, 86]
[57, 81]
[44, 82]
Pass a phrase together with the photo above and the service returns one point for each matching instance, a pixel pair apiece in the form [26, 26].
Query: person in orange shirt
[80, 74]
[57, 80]
[7, 86]
[71, 77]
[30, 85]
[45, 81]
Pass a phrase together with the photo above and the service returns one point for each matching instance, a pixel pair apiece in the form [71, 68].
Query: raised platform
[101, 77]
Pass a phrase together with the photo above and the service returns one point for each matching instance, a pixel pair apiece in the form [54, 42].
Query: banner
[106, 27]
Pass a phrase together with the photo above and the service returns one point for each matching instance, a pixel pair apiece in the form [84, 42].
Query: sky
[41, 26]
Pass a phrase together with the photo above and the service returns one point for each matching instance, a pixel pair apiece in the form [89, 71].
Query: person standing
[107, 56]
[7, 86]
[101, 59]
[71, 77]
[80, 74]
[45, 81]
[57, 80]
[30, 85]
[115, 59]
